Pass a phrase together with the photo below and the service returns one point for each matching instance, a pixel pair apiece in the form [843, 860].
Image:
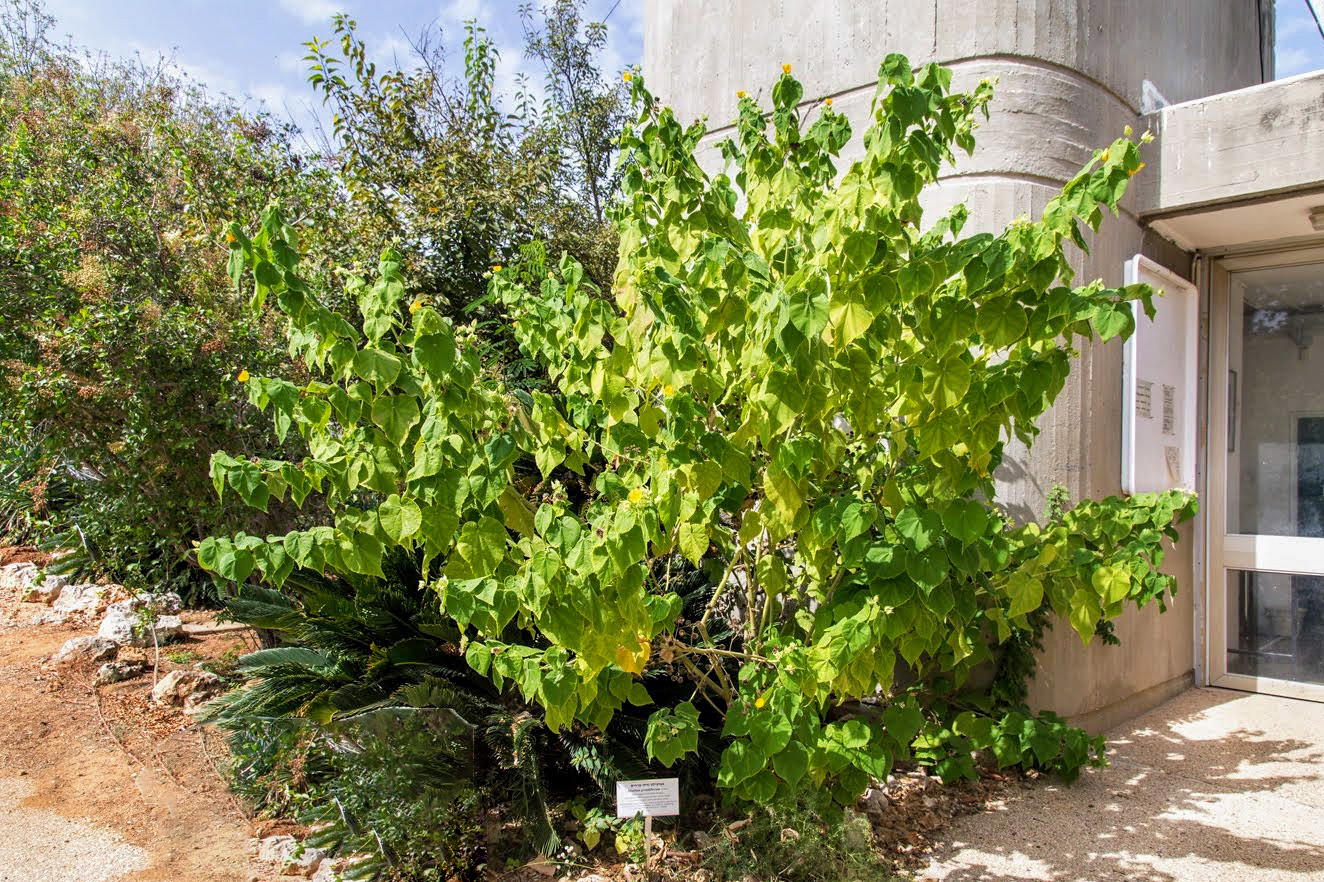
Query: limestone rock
[276, 849]
[326, 872]
[44, 590]
[306, 864]
[85, 649]
[286, 853]
[129, 622]
[118, 671]
[17, 575]
[79, 599]
[188, 689]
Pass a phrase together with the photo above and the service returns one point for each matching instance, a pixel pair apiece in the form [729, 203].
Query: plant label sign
[654, 797]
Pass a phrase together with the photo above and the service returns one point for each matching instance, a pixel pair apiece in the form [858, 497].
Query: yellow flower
[627, 77]
[229, 237]
[497, 268]
[242, 377]
[760, 702]
[1137, 170]
[740, 94]
[828, 102]
[636, 496]
[1103, 157]
[416, 306]
[1127, 131]
[668, 390]
[786, 68]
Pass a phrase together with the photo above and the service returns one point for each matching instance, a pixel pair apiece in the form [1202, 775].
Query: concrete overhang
[1238, 168]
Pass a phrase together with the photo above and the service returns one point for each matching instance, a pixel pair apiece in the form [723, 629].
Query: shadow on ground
[1213, 785]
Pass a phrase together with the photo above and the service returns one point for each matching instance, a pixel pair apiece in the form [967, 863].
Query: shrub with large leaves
[797, 394]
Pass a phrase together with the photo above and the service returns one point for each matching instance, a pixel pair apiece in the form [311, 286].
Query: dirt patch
[113, 760]
[22, 554]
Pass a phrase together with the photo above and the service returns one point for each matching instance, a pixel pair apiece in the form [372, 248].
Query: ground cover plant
[752, 498]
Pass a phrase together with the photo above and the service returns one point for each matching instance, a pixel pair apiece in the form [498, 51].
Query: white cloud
[291, 61]
[1291, 61]
[312, 11]
[459, 11]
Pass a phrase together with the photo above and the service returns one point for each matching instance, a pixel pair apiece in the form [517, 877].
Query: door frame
[1240, 551]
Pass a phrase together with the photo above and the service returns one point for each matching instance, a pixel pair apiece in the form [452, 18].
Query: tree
[119, 332]
[756, 491]
[439, 171]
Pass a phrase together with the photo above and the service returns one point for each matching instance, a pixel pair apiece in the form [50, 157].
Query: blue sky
[254, 48]
[1300, 46]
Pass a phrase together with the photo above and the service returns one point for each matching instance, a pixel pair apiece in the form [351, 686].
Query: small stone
[703, 840]
[189, 689]
[85, 649]
[594, 877]
[542, 866]
[79, 599]
[874, 801]
[119, 671]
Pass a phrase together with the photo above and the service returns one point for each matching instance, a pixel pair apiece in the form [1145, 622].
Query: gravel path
[1213, 786]
[39, 844]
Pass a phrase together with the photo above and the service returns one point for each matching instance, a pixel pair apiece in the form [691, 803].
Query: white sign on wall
[1160, 378]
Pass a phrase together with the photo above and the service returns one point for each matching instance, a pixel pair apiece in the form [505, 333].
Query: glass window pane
[1276, 402]
[1275, 625]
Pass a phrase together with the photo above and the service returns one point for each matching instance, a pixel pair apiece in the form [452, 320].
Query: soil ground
[100, 784]
[1213, 786]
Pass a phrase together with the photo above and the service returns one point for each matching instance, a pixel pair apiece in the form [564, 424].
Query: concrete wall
[1071, 76]
[1238, 168]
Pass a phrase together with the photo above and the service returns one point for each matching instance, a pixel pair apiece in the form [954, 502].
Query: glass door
[1266, 487]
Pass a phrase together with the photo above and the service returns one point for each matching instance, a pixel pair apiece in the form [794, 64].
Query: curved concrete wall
[1070, 76]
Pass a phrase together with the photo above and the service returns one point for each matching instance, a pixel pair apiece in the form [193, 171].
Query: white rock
[89, 649]
[326, 872]
[189, 689]
[47, 618]
[276, 849]
[79, 599]
[282, 851]
[45, 590]
[128, 622]
[306, 864]
[18, 575]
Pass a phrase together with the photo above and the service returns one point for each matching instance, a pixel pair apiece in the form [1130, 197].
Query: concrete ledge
[1105, 718]
[1253, 143]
